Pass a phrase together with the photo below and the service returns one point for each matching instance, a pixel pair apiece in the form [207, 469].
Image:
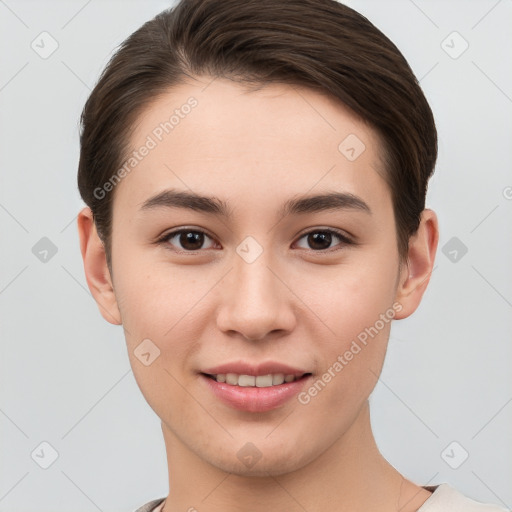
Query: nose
[256, 301]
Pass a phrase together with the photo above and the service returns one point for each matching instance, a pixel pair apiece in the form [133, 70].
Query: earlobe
[416, 273]
[96, 269]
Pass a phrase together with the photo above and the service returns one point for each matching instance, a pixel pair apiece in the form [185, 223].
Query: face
[258, 280]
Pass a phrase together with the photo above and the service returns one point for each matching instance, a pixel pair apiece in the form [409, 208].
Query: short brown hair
[321, 44]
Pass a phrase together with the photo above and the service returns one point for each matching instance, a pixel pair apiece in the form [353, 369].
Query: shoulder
[447, 499]
[150, 506]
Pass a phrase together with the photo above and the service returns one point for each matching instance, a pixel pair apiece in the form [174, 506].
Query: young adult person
[255, 176]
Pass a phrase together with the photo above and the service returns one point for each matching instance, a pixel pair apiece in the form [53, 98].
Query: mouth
[257, 381]
[254, 393]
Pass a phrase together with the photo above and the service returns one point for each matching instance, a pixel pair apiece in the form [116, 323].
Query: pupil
[189, 238]
[322, 237]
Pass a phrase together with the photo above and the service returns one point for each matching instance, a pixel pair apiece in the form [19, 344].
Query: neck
[351, 475]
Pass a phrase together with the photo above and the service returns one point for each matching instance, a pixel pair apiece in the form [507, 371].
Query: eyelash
[164, 240]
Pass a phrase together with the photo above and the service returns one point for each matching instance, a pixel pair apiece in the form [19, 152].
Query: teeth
[246, 380]
[277, 379]
[261, 381]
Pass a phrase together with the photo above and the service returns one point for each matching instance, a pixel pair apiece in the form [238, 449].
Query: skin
[293, 304]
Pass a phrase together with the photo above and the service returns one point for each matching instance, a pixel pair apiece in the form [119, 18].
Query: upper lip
[245, 368]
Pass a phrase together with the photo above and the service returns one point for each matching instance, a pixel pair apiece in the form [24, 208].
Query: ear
[96, 269]
[415, 274]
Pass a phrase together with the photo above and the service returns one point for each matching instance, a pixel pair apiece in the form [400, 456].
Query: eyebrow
[327, 201]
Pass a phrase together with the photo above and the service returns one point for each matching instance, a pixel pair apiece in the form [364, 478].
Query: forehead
[216, 137]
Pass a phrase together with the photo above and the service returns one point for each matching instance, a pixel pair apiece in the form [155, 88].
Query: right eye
[190, 239]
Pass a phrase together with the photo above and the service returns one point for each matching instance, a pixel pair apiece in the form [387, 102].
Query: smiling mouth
[260, 381]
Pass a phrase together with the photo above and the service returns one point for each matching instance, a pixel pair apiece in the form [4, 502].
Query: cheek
[162, 304]
[349, 298]
[155, 298]
[355, 311]
[163, 313]
[158, 310]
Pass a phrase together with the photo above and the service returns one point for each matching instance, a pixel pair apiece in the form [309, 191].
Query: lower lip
[253, 399]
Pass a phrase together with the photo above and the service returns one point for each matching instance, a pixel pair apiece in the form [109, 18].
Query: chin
[278, 462]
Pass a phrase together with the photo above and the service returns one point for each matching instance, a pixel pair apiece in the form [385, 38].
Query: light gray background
[65, 376]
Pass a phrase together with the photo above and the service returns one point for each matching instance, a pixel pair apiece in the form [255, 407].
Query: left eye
[322, 238]
[193, 240]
